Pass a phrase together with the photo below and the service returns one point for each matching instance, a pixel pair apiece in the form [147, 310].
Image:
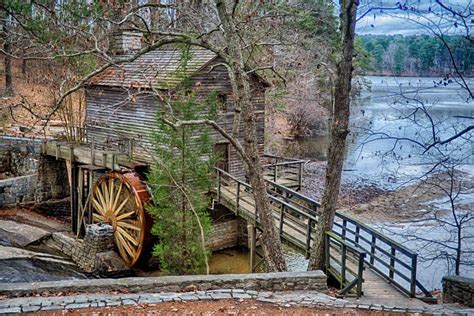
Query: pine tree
[180, 179]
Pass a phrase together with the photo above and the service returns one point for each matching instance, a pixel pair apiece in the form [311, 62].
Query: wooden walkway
[365, 260]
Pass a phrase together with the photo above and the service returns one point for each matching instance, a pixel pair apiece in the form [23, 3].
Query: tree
[180, 180]
[7, 51]
[339, 132]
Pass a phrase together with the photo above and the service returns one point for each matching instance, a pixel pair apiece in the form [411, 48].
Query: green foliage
[417, 55]
[180, 180]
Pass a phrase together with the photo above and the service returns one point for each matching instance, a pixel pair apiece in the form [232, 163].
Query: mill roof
[157, 69]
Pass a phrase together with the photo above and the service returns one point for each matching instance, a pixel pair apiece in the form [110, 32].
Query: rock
[9, 253]
[21, 234]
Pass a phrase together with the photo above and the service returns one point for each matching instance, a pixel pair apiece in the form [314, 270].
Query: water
[395, 116]
[387, 120]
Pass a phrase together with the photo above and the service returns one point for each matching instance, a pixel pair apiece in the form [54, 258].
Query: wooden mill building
[122, 105]
[123, 101]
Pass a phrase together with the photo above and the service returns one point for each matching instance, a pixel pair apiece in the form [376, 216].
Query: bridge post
[300, 176]
[391, 273]
[308, 237]
[413, 276]
[252, 233]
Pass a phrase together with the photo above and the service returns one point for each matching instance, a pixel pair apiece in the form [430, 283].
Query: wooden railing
[393, 261]
[346, 263]
[296, 216]
[281, 168]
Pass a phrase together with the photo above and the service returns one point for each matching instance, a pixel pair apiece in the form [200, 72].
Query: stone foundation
[95, 253]
[27, 176]
[281, 281]
[228, 230]
[458, 289]
[224, 235]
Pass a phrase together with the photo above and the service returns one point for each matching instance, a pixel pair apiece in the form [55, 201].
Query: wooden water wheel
[118, 199]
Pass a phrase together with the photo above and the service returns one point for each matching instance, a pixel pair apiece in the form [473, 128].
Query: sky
[414, 20]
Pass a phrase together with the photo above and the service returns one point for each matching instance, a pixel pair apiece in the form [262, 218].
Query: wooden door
[222, 152]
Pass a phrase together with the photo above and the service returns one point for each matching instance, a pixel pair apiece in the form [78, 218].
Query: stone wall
[458, 289]
[228, 230]
[224, 235]
[53, 181]
[95, 253]
[27, 176]
[18, 190]
[279, 281]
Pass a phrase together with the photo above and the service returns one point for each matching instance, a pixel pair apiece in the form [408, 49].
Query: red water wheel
[119, 199]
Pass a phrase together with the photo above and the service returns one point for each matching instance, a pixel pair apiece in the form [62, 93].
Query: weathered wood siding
[114, 116]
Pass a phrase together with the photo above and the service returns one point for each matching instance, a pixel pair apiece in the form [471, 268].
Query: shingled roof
[156, 69]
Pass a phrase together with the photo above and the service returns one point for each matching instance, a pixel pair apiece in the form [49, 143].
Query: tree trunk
[339, 131]
[271, 243]
[7, 47]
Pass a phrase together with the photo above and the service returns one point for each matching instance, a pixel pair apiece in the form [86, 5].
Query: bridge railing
[288, 169]
[393, 261]
[230, 185]
[345, 262]
[299, 214]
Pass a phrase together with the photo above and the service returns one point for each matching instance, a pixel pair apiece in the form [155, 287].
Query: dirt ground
[370, 203]
[221, 307]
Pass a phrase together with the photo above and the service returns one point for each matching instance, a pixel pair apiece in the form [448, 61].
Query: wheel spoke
[122, 251]
[127, 235]
[125, 215]
[106, 195]
[126, 245]
[117, 211]
[101, 198]
[118, 196]
[98, 206]
[111, 194]
[129, 225]
[98, 217]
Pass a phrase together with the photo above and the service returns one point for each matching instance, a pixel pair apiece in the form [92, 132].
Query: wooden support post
[300, 176]
[71, 154]
[344, 227]
[372, 250]
[74, 198]
[252, 244]
[58, 151]
[104, 159]
[357, 233]
[80, 200]
[93, 151]
[238, 199]
[308, 237]
[219, 186]
[360, 275]
[90, 187]
[413, 275]
[392, 263]
[282, 218]
[343, 265]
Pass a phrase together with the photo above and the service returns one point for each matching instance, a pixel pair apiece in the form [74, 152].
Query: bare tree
[339, 132]
[7, 48]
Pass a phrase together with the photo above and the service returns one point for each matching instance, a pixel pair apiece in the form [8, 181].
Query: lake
[387, 119]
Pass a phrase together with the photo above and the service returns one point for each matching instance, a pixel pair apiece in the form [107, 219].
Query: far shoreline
[411, 76]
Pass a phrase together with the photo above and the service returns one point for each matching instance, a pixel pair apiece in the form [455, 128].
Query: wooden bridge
[364, 261]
